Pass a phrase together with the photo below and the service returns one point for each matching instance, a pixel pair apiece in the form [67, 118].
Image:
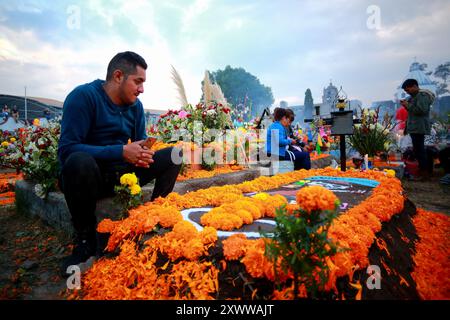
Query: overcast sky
[53, 46]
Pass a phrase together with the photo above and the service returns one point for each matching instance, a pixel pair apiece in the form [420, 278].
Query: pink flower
[182, 114]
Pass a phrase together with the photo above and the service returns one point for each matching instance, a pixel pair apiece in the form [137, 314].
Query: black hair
[279, 113]
[409, 83]
[290, 114]
[127, 62]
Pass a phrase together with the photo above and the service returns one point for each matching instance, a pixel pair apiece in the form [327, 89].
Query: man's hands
[136, 154]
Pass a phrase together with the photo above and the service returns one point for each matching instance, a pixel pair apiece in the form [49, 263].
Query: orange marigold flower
[255, 261]
[107, 226]
[273, 203]
[194, 249]
[184, 230]
[246, 216]
[169, 216]
[234, 247]
[208, 235]
[251, 206]
[292, 207]
[219, 219]
[316, 198]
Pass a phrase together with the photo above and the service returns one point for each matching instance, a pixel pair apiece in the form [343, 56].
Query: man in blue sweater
[99, 118]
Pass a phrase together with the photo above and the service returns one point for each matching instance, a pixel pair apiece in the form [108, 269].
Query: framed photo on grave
[342, 123]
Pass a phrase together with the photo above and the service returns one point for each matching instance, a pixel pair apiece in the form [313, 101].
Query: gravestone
[54, 211]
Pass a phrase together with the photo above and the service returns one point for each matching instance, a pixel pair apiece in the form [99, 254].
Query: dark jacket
[419, 113]
[92, 123]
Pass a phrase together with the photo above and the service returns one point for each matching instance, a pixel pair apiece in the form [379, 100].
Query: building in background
[36, 107]
[329, 99]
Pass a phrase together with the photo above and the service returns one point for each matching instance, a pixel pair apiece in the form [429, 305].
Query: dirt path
[430, 195]
[30, 253]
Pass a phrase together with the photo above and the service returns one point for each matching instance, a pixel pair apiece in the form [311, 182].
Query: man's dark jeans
[84, 180]
[418, 142]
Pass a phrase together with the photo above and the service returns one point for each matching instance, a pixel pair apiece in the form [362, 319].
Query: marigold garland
[201, 174]
[233, 215]
[355, 229]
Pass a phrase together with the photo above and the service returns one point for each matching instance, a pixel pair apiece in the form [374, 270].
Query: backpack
[430, 94]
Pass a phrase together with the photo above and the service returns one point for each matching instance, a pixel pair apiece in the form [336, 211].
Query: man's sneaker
[445, 179]
[82, 251]
[102, 242]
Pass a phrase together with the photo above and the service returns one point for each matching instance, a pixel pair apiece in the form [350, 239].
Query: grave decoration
[164, 250]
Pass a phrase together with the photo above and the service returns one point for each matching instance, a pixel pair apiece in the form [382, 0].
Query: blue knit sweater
[274, 130]
[92, 123]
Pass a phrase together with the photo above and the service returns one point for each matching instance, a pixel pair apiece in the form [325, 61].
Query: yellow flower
[261, 196]
[243, 130]
[12, 140]
[390, 173]
[5, 144]
[135, 189]
[128, 179]
[36, 122]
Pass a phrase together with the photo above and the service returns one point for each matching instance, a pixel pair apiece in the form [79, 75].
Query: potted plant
[371, 136]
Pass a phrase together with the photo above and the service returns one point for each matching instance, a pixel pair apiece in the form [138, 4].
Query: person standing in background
[418, 122]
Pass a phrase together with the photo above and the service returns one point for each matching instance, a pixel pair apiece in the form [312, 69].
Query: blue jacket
[277, 129]
[92, 123]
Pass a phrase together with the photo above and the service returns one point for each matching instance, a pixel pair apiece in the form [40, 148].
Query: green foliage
[35, 153]
[126, 200]
[442, 71]
[300, 244]
[236, 84]
[128, 193]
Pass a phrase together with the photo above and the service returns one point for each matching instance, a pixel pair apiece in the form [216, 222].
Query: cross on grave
[341, 125]
[264, 122]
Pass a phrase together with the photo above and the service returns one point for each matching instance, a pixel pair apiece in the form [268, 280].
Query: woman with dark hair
[278, 142]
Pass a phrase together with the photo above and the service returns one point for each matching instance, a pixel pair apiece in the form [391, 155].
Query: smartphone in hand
[149, 142]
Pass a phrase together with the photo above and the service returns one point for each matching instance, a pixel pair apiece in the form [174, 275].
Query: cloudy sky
[365, 46]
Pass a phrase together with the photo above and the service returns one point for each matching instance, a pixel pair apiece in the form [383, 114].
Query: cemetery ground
[31, 251]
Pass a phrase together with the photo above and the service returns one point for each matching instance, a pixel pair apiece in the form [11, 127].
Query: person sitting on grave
[290, 132]
[278, 142]
[103, 136]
